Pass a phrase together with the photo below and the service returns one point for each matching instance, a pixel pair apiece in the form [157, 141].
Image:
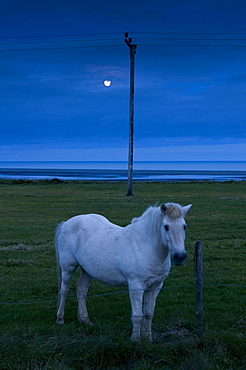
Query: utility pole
[132, 49]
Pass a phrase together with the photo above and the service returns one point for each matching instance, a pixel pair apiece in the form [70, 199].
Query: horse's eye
[166, 227]
[185, 227]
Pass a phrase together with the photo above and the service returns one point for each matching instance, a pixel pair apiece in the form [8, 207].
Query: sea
[118, 170]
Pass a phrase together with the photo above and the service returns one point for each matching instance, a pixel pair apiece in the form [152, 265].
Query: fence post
[198, 288]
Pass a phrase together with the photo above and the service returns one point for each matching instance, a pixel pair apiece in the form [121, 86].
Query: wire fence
[123, 291]
[198, 291]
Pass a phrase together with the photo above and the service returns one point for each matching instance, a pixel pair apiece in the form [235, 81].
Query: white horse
[137, 256]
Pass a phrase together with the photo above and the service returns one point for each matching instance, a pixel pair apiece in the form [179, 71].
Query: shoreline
[120, 175]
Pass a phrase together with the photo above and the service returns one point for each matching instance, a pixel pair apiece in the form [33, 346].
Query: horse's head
[173, 230]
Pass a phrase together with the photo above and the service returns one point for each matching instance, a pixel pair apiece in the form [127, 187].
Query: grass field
[30, 339]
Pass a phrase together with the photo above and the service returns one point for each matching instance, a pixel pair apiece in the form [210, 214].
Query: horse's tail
[59, 271]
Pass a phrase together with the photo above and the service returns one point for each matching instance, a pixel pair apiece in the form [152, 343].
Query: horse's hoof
[85, 322]
[60, 321]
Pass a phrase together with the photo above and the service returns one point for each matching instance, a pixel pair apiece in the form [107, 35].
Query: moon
[107, 83]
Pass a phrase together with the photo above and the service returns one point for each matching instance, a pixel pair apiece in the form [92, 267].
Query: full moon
[107, 83]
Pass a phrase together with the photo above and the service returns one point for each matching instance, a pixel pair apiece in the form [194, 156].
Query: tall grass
[30, 339]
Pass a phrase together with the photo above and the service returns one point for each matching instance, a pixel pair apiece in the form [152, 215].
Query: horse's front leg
[150, 296]
[136, 297]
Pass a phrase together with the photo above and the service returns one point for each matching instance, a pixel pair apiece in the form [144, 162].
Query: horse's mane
[151, 215]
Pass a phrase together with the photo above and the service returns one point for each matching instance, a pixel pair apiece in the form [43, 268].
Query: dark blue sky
[190, 79]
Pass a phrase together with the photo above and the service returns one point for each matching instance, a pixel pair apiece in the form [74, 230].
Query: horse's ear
[186, 209]
[163, 208]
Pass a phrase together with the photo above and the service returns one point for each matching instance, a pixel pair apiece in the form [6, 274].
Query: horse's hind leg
[82, 289]
[66, 278]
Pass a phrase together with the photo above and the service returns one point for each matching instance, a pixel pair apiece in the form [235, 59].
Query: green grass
[30, 339]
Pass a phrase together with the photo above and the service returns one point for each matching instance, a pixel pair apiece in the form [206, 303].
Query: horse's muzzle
[180, 258]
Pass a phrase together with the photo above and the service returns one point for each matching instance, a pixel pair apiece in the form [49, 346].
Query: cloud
[95, 74]
[95, 152]
[183, 95]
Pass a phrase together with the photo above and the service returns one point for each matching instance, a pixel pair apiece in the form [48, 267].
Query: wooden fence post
[198, 288]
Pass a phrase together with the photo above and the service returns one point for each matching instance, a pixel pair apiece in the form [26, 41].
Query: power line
[61, 48]
[65, 35]
[189, 33]
[195, 45]
[190, 39]
[58, 41]
[172, 41]
[119, 45]
[118, 39]
[121, 33]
